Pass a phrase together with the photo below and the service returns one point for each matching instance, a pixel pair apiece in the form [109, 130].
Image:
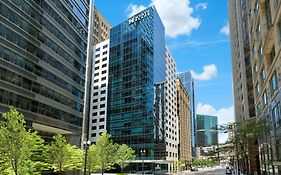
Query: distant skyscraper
[98, 107]
[136, 65]
[207, 133]
[188, 82]
[183, 112]
[43, 49]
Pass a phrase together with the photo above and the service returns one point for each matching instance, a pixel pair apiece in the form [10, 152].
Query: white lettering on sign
[139, 17]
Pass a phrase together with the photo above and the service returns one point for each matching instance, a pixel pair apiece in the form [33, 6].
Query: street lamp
[86, 146]
[142, 151]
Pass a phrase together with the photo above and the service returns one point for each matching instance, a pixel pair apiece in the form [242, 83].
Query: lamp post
[142, 151]
[86, 146]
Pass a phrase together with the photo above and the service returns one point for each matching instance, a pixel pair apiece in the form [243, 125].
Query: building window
[102, 105]
[103, 85]
[97, 55]
[93, 135]
[102, 112]
[101, 119]
[95, 100]
[262, 75]
[103, 92]
[95, 81]
[104, 65]
[95, 107]
[96, 68]
[105, 46]
[94, 114]
[276, 114]
[102, 99]
[104, 59]
[103, 78]
[95, 94]
[273, 82]
[96, 62]
[101, 127]
[264, 98]
[105, 52]
[94, 127]
[96, 74]
[98, 49]
[94, 121]
[96, 87]
[103, 72]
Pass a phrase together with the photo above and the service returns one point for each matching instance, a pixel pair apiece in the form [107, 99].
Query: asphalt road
[209, 171]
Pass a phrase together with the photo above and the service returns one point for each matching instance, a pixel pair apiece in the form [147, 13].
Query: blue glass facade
[42, 60]
[188, 83]
[207, 134]
[136, 63]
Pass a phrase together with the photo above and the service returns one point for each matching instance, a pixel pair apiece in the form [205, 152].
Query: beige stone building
[262, 33]
[244, 105]
[102, 28]
[183, 112]
[265, 44]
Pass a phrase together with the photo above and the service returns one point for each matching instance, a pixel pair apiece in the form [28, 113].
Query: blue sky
[198, 37]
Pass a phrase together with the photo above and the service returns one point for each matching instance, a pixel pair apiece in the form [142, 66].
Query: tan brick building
[265, 43]
[102, 28]
[183, 112]
[262, 31]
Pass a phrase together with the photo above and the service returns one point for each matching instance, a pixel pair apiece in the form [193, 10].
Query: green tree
[102, 154]
[19, 147]
[124, 154]
[63, 156]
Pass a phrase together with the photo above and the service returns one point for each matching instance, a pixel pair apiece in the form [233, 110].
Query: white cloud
[225, 30]
[133, 9]
[225, 115]
[203, 6]
[209, 71]
[176, 16]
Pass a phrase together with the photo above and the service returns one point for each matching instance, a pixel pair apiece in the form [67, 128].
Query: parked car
[228, 170]
[193, 169]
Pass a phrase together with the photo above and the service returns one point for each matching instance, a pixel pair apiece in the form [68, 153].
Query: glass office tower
[136, 64]
[42, 63]
[207, 133]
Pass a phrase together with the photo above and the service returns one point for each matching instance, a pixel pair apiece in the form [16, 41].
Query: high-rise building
[136, 66]
[264, 36]
[183, 112]
[207, 133]
[99, 86]
[188, 83]
[101, 29]
[243, 88]
[43, 51]
[171, 117]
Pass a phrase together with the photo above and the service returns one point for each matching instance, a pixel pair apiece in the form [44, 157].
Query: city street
[209, 171]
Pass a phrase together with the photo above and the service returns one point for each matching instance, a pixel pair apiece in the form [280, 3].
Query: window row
[25, 83]
[18, 101]
[39, 71]
[39, 53]
[23, 5]
[94, 114]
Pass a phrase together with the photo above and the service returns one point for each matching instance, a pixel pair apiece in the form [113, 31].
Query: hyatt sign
[139, 17]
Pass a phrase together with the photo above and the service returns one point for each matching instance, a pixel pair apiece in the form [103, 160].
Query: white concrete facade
[171, 123]
[99, 91]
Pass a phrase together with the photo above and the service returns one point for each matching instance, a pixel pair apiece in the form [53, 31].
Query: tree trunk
[122, 170]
